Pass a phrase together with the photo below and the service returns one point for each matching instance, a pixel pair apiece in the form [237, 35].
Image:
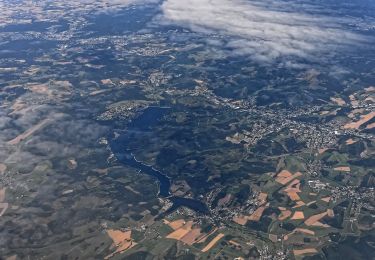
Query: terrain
[169, 130]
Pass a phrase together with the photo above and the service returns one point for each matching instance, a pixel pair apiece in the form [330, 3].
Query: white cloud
[264, 30]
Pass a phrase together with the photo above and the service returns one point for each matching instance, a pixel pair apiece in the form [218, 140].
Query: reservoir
[119, 147]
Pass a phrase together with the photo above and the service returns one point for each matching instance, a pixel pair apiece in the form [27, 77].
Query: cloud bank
[266, 31]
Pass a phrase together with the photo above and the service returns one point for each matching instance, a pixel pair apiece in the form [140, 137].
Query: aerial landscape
[195, 129]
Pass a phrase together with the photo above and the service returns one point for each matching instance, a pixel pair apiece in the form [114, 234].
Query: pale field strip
[300, 230]
[204, 237]
[213, 242]
[311, 202]
[298, 252]
[3, 205]
[305, 231]
[132, 190]
[314, 220]
[2, 194]
[234, 243]
[350, 141]
[29, 132]
[342, 169]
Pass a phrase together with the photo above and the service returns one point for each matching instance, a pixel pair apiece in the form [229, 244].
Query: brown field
[342, 169]
[355, 111]
[241, 220]
[364, 119]
[293, 186]
[320, 224]
[2, 194]
[350, 141]
[370, 89]
[177, 224]
[293, 196]
[353, 100]
[3, 207]
[29, 132]
[181, 232]
[305, 251]
[121, 240]
[370, 100]
[257, 214]
[262, 198]
[119, 236]
[300, 203]
[330, 213]
[314, 219]
[370, 126]
[338, 101]
[285, 176]
[285, 214]
[3, 168]
[225, 200]
[322, 150]
[202, 238]
[234, 243]
[106, 81]
[298, 215]
[97, 92]
[213, 242]
[326, 199]
[191, 237]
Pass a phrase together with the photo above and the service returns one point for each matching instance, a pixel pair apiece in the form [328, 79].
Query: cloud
[267, 31]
